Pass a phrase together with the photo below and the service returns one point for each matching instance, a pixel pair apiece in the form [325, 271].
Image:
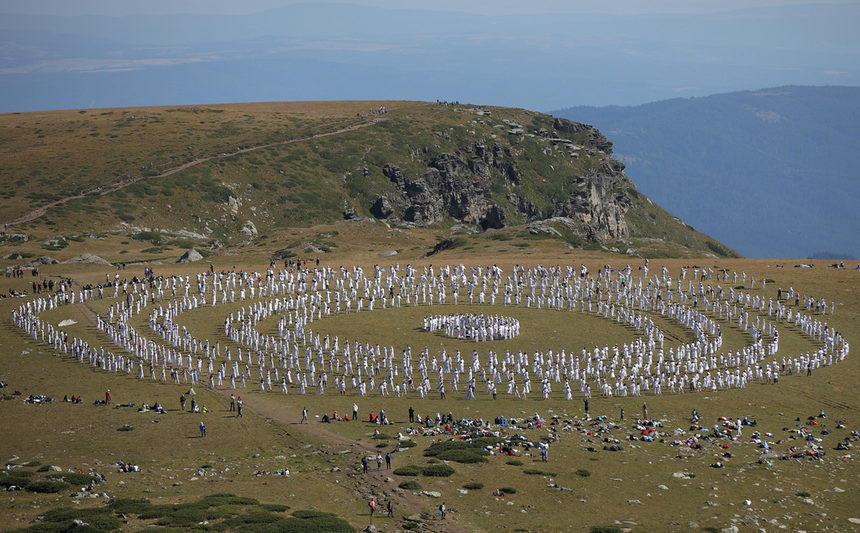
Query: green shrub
[97, 519]
[18, 478]
[275, 507]
[221, 498]
[130, 505]
[470, 455]
[74, 478]
[46, 486]
[406, 444]
[514, 462]
[803, 494]
[473, 486]
[605, 529]
[410, 485]
[508, 490]
[410, 470]
[583, 472]
[437, 471]
[183, 516]
[535, 472]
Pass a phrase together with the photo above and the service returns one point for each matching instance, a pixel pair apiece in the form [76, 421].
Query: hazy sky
[540, 54]
[488, 7]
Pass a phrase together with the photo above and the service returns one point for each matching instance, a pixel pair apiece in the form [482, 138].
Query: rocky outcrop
[458, 186]
[594, 140]
[482, 185]
[598, 207]
[451, 187]
[382, 208]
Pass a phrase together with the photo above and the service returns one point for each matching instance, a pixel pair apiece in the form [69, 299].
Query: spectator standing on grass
[107, 397]
[355, 411]
[364, 463]
[202, 429]
[239, 407]
[304, 416]
[443, 510]
[388, 461]
[372, 505]
[390, 509]
[182, 401]
[379, 461]
[232, 403]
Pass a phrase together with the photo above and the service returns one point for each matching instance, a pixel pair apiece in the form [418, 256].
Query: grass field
[649, 486]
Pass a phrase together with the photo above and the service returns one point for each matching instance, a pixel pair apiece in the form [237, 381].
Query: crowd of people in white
[290, 356]
[474, 326]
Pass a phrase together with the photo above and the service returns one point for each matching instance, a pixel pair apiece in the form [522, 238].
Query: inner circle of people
[295, 358]
[473, 326]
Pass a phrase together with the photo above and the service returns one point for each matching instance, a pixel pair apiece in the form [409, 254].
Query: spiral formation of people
[268, 338]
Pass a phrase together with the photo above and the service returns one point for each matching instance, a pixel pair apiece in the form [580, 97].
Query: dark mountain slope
[772, 172]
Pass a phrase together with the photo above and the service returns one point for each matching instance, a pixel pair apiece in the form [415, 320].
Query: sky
[484, 7]
[537, 54]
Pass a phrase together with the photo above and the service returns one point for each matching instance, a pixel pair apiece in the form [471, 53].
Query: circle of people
[474, 326]
[296, 357]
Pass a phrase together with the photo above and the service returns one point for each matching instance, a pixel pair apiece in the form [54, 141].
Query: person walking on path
[364, 463]
[411, 414]
[354, 411]
[182, 401]
[645, 411]
[379, 461]
[239, 407]
[202, 429]
[388, 461]
[107, 397]
[390, 509]
[304, 416]
[443, 510]
[586, 408]
[372, 505]
[232, 403]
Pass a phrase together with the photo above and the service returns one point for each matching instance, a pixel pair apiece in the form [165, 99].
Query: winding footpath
[107, 189]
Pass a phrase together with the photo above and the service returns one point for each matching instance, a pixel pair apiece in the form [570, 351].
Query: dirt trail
[106, 189]
[369, 485]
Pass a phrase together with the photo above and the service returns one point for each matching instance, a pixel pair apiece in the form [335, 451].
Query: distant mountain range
[771, 172]
[337, 51]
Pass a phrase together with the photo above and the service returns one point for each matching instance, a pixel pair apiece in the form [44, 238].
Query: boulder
[382, 207]
[249, 229]
[190, 256]
[90, 259]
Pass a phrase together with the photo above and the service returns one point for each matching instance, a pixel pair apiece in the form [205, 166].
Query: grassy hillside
[227, 175]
